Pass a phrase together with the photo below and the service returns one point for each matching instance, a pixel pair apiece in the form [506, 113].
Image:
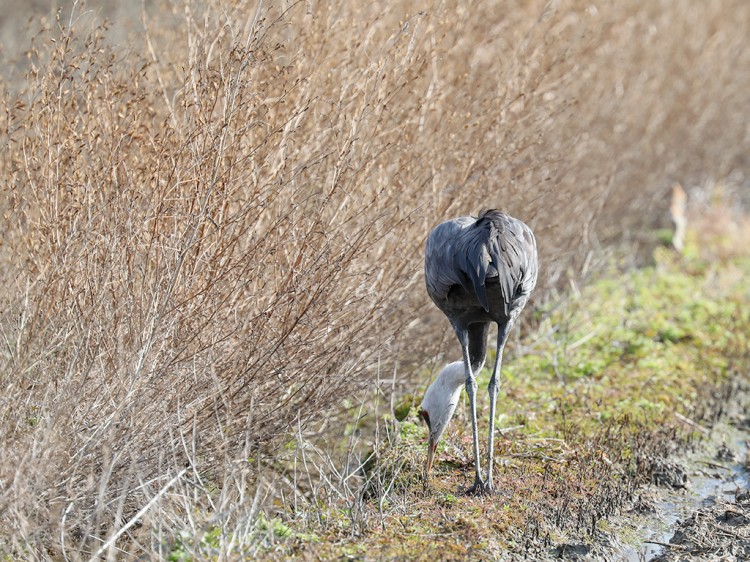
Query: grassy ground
[592, 405]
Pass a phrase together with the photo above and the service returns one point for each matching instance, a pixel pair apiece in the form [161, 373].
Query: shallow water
[709, 479]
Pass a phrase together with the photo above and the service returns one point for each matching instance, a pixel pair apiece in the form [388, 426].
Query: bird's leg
[471, 390]
[502, 336]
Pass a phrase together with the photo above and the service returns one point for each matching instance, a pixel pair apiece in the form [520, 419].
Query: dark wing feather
[468, 252]
[442, 258]
[499, 249]
[478, 258]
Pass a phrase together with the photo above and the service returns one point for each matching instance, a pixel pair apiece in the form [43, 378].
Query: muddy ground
[717, 532]
[696, 509]
[720, 529]
[707, 492]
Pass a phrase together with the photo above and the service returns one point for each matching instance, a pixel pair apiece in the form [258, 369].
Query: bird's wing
[528, 281]
[503, 248]
[469, 251]
[477, 261]
[443, 245]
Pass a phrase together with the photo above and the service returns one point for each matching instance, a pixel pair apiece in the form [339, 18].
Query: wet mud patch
[671, 474]
[719, 531]
[698, 506]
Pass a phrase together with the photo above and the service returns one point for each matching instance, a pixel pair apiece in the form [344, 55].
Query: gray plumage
[477, 271]
[472, 253]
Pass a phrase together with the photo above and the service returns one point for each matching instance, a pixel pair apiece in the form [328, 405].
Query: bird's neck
[452, 378]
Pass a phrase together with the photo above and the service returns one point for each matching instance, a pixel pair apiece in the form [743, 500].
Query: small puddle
[709, 479]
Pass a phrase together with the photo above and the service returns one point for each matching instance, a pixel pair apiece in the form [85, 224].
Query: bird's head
[439, 403]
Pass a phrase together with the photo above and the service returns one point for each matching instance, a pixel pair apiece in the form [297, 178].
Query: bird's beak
[431, 448]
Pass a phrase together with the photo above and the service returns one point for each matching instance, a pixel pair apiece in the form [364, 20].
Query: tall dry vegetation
[214, 235]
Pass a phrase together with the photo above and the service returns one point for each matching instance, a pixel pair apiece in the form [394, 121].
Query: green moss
[412, 431]
[403, 408]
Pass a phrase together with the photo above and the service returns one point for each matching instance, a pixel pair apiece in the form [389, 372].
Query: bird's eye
[425, 416]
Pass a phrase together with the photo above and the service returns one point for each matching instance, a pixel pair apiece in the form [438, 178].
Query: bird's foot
[481, 488]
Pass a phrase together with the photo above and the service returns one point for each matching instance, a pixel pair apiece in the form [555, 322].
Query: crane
[478, 270]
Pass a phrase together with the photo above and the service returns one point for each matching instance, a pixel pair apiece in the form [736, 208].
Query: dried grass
[215, 235]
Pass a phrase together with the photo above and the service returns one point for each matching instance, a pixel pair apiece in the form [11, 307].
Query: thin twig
[666, 544]
[691, 423]
[111, 540]
[715, 465]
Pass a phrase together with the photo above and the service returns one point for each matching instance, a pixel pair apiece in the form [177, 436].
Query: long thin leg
[471, 390]
[478, 344]
[502, 336]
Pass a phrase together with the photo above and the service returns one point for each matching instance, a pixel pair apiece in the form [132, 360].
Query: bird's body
[477, 271]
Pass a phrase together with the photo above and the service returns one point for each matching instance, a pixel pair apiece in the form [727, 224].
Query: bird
[478, 270]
